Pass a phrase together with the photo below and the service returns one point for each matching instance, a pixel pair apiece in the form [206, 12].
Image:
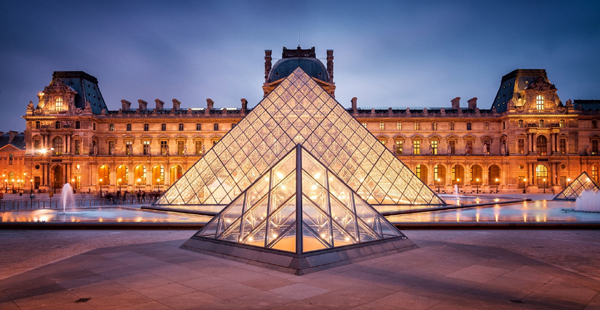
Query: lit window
[111, 127]
[541, 124]
[539, 102]
[486, 126]
[129, 148]
[562, 123]
[163, 147]
[398, 126]
[382, 141]
[434, 126]
[399, 147]
[434, 147]
[416, 147]
[520, 123]
[416, 126]
[364, 125]
[58, 104]
[198, 147]
[418, 171]
[146, 150]
[180, 147]
[595, 173]
[381, 126]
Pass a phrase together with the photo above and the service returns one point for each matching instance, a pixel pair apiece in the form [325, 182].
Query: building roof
[291, 59]
[86, 87]
[515, 82]
[587, 105]
[13, 138]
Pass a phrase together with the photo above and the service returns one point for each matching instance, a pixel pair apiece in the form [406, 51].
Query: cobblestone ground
[22, 250]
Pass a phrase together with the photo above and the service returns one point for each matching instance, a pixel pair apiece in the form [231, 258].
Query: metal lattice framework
[582, 183]
[299, 206]
[298, 111]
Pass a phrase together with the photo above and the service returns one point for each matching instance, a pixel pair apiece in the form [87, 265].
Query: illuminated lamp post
[439, 180]
[31, 195]
[120, 183]
[13, 186]
[497, 186]
[5, 182]
[544, 186]
[139, 182]
[477, 185]
[158, 185]
[524, 185]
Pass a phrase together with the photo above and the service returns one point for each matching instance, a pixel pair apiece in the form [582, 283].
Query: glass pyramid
[582, 183]
[299, 206]
[298, 111]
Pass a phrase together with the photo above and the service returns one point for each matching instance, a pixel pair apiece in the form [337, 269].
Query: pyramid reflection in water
[298, 111]
[298, 217]
[582, 183]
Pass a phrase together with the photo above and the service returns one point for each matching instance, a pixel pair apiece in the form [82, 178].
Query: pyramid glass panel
[582, 183]
[298, 111]
[319, 216]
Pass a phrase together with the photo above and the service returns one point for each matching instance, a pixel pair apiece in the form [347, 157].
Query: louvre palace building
[527, 139]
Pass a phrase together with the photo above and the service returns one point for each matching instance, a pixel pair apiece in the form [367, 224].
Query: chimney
[455, 103]
[209, 106]
[267, 63]
[354, 105]
[143, 104]
[330, 64]
[160, 105]
[472, 103]
[126, 105]
[11, 135]
[244, 105]
[176, 104]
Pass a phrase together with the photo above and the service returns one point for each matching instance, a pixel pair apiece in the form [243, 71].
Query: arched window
[58, 104]
[421, 172]
[458, 173]
[494, 175]
[158, 175]
[539, 102]
[140, 175]
[476, 174]
[103, 175]
[542, 145]
[176, 173]
[439, 174]
[122, 175]
[541, 173]
[57, 145]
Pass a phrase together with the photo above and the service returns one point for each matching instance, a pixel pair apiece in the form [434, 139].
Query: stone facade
[528, 140]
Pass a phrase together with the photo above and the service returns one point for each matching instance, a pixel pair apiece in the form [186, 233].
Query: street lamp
[13, 186]
[477, 185]
[120, 181]
[439, 180]
[497, 186]
[31, 195]
[158, 185]
[544, 186]
[139, 182]
[5, 182]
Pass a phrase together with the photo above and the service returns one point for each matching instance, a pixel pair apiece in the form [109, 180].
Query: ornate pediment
[540, 85]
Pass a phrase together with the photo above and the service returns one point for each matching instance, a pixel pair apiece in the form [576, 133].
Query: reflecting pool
[99, 215]
[527, 211]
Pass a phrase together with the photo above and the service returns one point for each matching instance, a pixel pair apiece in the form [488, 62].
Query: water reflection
[532, 211]
[102, 215]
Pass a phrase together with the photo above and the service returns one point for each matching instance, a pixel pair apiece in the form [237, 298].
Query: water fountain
[68, 199]
[588, 201]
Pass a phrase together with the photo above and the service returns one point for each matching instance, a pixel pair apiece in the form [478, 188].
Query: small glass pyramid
[298, 111]
[582, 183]
[299, 206]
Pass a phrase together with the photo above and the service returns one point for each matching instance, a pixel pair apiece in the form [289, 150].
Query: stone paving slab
[449, 270]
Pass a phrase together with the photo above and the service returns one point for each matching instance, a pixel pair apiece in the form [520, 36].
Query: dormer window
[58, 104]
[539, 102]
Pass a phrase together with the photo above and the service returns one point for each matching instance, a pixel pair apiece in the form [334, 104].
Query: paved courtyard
[493, 269]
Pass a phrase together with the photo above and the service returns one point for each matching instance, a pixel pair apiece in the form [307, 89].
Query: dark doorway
[57, 177]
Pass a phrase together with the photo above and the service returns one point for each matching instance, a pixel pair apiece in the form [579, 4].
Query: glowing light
[317, 175]
[274, 235]
[280, 175]
[314, 187]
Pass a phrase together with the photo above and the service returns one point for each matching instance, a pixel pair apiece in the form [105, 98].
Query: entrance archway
[176, 173]
[58, 178]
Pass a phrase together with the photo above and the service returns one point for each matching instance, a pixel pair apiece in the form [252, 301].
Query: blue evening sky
[387, 53]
